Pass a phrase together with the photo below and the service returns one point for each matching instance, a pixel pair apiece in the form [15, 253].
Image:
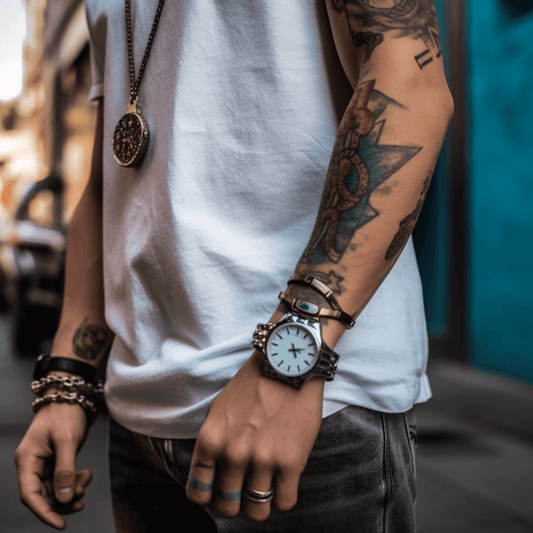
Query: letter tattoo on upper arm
[416, 19]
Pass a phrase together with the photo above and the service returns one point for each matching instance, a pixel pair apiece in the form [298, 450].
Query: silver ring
[257, 496]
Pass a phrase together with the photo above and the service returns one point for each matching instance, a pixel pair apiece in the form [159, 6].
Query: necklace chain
[134, 85]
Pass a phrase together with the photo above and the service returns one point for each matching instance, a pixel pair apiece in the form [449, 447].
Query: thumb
[65, 475]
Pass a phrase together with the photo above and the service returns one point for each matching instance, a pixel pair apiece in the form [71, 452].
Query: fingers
[226, 480]
[224, 494]
[45, 460]
[258, 484]
[75, 505]
[39, 497]
[286, 489]
[83, 479]
[37, 490]
[65, 476]
[33, 492]
[228, 490]
[199, 488]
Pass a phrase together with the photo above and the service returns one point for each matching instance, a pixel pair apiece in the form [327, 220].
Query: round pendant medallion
[130, 140]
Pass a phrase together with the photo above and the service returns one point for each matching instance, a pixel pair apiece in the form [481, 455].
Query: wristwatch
[294, 350]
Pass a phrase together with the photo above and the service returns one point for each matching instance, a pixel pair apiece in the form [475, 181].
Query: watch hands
[294, 350]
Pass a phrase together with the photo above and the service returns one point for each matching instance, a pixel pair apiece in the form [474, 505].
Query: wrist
[46, 364]
[314, 387]
[332, 329]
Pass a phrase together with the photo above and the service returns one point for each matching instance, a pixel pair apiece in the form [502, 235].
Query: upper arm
[395, 39]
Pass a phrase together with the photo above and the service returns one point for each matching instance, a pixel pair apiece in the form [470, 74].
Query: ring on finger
[258, 496]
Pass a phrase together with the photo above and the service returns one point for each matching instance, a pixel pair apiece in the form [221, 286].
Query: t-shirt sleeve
[97, 25]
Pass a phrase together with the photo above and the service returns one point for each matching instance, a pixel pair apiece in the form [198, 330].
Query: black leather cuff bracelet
[45, 364]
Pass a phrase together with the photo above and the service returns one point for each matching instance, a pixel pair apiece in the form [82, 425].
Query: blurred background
[473, 241]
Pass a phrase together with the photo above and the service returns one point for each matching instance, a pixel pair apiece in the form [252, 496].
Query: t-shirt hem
[189, 429]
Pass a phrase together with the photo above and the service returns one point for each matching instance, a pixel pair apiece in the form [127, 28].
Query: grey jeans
[360, 477]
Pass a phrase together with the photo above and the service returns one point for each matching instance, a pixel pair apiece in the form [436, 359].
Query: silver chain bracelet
[72, 389]
[70, 397]
[67, 382]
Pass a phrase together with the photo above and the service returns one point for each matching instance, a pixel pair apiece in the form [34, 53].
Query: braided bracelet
[70, 397]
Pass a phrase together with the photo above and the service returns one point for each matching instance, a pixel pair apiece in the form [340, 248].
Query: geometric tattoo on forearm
[89, 341]
[359, 164]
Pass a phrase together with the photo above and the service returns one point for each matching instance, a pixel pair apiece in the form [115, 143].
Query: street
[474, 458]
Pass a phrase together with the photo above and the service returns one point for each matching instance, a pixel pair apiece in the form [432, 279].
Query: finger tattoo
[229, 496]
[199, 485]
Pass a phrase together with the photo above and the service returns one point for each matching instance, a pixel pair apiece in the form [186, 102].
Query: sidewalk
[475, 453]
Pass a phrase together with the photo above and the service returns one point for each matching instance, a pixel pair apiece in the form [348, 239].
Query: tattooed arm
[83, 333]
[387, 144]
[386, 147]
[46, 458]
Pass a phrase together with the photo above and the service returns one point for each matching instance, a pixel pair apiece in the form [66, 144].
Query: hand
[55, 435]
[258, 433]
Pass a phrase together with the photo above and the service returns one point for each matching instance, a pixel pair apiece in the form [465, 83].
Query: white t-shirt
[243, 103]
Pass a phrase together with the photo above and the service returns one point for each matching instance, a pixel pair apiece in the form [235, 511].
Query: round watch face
[292, 349]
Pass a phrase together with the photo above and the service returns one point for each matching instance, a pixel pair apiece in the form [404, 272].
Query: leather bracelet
[347, 320]
[45, 364]
[314, 312]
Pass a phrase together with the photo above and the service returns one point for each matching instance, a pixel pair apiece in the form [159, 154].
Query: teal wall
[500, 59]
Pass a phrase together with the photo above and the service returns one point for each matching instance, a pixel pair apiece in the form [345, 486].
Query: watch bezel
[304, 323]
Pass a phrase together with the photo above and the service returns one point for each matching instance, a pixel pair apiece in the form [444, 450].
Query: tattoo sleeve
[370, 21]
[359, 164]
[407, 224]
[386, 145]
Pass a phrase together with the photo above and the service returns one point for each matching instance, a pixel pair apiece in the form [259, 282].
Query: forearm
[380, 170]
[83, 333]
[386, 148]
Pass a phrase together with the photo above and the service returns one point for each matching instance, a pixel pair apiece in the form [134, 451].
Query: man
[192, 246]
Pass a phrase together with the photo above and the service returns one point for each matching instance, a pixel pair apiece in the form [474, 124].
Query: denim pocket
[163, 449]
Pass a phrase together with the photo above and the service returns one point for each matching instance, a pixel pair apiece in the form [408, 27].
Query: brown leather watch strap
[325, 291]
